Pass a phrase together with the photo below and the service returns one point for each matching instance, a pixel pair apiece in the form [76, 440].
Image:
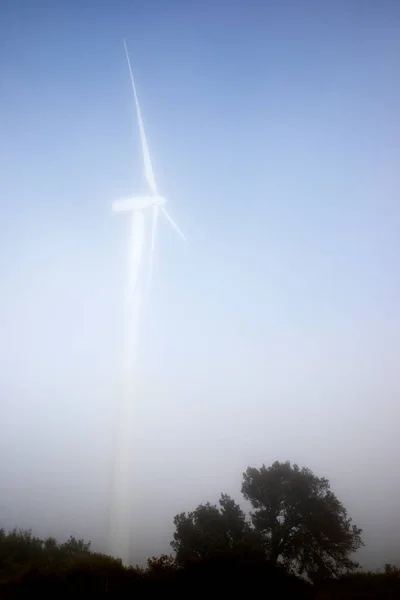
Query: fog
[273, 334]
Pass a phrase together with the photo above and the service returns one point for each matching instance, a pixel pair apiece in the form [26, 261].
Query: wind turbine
[137, 206]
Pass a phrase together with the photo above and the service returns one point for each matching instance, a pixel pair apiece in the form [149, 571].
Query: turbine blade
[148, 169]
[173, 223]
[152, 244]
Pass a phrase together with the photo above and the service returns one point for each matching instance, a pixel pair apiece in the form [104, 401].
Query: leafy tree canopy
[212, 530]
[297, 523]
[301, 521]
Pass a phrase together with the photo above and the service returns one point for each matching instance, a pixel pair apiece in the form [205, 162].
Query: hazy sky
[274, 332]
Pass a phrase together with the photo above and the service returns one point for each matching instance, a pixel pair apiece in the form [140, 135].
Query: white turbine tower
[122, 501]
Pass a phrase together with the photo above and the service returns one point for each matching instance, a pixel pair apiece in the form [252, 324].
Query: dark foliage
[365, 586]
[301, 521]
[297, 526]
[210, 531]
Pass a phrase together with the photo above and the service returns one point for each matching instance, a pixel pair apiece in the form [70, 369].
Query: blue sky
[273, 128]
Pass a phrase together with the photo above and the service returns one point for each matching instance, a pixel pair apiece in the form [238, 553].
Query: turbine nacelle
[137, 203]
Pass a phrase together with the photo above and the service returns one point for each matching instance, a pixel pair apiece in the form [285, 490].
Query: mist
[273, 334]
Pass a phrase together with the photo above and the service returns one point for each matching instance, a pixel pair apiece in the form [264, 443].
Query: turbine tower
[138, 207]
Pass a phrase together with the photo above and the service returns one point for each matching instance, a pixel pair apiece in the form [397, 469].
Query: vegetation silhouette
[298, 543]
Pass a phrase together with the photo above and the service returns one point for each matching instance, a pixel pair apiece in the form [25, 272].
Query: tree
[74, 547]
[301, 522]
[210, 531]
